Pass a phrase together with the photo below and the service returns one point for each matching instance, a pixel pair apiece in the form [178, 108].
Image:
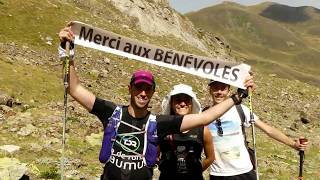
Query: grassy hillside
[268, 33]
[27, 25]
[31, 72]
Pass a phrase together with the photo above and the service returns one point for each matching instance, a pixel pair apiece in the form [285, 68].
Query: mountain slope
[262, 34]
[30, 76]
[30, 73]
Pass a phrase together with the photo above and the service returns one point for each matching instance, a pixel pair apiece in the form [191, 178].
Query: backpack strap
[150, 148]
[246, 143]
[149, 154]
[242, 117]
[110, 134]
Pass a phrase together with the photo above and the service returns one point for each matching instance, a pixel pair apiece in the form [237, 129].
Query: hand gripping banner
[212, 68]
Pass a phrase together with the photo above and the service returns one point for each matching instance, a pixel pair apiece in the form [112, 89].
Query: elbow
[270, 132]
[74, 85]
[211, 159]
[73, 89]
[205, 120]
[207, 162]
[204, 123]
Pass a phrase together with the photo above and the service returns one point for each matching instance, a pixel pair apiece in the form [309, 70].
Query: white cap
[180, 89]
[210, 81]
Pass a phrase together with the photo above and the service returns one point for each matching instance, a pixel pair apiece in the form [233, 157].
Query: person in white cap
[180, 154]
[232, 158]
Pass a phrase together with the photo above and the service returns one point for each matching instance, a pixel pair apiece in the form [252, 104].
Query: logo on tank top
[131, 143]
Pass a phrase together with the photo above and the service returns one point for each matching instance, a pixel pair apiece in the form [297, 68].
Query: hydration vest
[149, 154]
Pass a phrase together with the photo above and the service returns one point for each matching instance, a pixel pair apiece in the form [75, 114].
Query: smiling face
[219, 92]
[141, 94]
[181, 104]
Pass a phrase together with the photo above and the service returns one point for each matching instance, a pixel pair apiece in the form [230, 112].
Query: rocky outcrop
[156, 18]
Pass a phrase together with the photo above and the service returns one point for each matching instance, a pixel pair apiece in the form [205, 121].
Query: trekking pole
[253, 133]
[301, 155]
[66, 84]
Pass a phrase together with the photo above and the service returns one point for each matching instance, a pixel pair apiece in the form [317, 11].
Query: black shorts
[251, 175]
[164, 176]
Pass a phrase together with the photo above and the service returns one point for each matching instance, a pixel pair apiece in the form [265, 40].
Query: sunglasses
[143, 87]
[220, 130]
[182, 97]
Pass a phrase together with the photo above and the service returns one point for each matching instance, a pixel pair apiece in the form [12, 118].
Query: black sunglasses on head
[181, 97]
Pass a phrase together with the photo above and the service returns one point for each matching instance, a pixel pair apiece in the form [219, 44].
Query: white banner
[212, 68]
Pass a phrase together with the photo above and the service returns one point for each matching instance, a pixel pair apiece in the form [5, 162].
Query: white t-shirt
[231, 155]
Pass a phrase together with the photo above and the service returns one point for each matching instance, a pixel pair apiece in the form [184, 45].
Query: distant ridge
[286, 13]
[268, 32]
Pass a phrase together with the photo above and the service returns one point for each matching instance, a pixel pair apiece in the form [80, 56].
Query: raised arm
[78, 92]
[281, 137]
[206, 117]
[194, 120]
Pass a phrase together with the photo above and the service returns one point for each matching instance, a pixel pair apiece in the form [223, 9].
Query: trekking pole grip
[250, 104]
[68, 48]
[301, 157]
[66, 65]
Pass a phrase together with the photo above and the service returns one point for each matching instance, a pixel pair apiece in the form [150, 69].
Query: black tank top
[181, 155]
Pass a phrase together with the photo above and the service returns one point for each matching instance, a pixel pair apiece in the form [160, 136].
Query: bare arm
[78, 92]
[208, 148]
[195, 120]
[279, 136]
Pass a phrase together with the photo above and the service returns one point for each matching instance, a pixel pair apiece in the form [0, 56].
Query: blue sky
[184, 6]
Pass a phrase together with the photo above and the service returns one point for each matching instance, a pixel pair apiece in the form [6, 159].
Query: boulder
[11, 168]
[6, 99]
[10, 148]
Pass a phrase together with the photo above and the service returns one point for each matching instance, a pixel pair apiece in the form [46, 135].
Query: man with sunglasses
[129, 146]
[232, 159]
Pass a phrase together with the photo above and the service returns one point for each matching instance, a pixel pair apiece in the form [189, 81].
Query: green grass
[28, 82]
[50, 173]
[278, 161]
[28, 17]
[22, 23]
[284, 161]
